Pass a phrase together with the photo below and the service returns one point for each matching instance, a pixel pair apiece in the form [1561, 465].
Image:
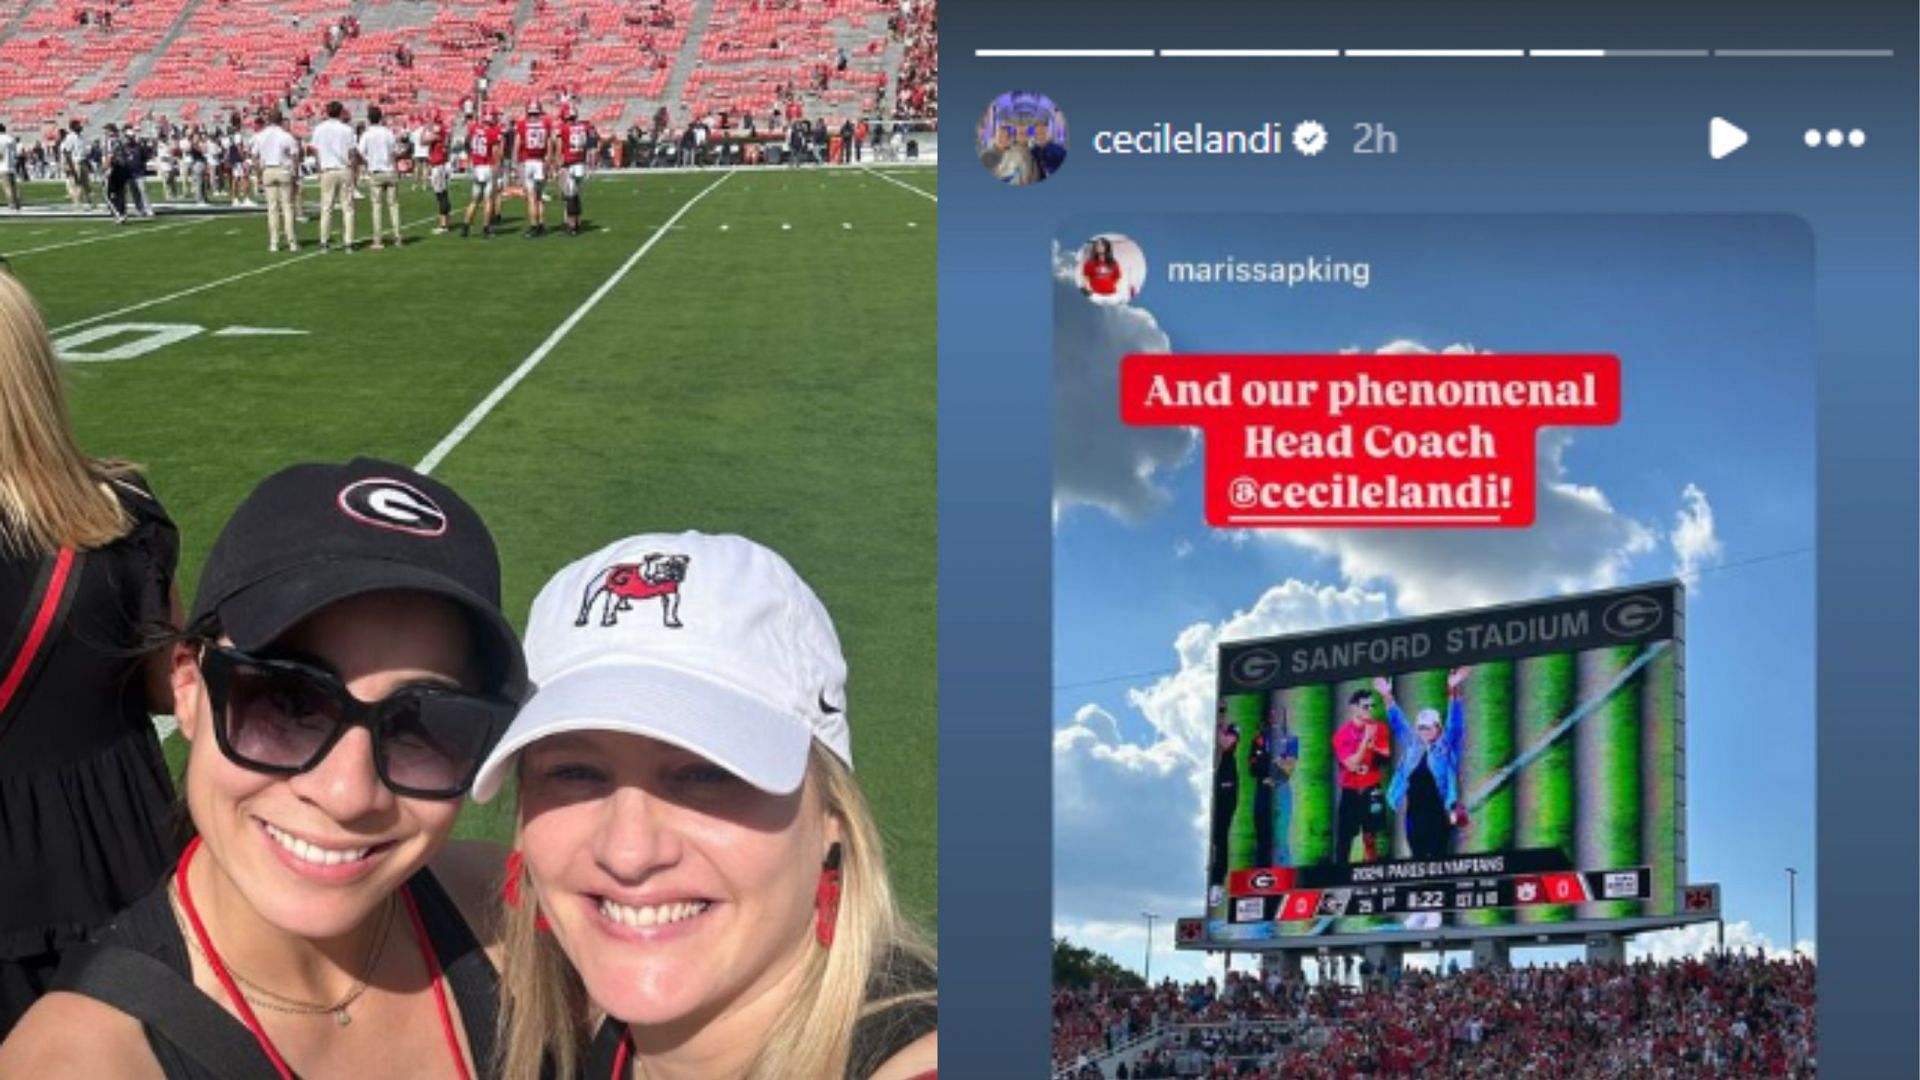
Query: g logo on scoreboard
[1633, 616]
[1255, 666]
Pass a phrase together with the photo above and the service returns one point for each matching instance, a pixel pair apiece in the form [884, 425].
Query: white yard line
[119, 234]
[902, 184]
[228, 280]
[465, 427]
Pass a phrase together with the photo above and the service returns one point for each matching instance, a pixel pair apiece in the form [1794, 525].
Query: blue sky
[1709, 475]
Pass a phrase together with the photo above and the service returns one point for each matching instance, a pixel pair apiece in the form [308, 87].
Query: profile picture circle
[1110, 269]
[1022, 139]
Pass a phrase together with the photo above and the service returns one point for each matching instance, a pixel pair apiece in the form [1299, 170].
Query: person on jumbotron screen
[1276, 750]
[1359, 746]
[1425, 789]
[1226, 798]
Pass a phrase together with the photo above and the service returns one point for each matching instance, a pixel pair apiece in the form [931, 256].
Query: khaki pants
[80, 188]
[385, 195]
[336, 189]
[279, 185]
[11, 188]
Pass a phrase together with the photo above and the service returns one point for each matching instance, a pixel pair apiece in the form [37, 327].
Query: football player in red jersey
[533, 145]
[483, 156]
[574, 135]
[435, 136]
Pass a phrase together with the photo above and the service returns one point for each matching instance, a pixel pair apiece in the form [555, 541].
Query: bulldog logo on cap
[391, 504]
[621, 584]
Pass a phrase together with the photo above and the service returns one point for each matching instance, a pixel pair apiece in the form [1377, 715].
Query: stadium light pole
[1150, 916]
[1793, 934]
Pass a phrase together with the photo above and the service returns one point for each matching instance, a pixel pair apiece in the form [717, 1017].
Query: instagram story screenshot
[1449, 472]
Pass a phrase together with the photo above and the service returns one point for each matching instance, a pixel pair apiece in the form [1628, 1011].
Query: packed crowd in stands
[1728, 1015]
[916, 90]
[819, 67]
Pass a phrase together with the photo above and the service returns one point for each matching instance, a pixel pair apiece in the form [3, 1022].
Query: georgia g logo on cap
[392, 504]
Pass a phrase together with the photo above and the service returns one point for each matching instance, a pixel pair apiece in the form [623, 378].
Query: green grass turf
[775, 383]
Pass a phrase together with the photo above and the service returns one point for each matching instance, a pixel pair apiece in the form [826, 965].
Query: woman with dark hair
[1101, 278]
[87, 557]
[1276, 750]
[345, 671]
[1226, 800]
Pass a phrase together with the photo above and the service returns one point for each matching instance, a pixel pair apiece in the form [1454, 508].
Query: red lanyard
[246, 1012]
[37, 630]
[620, 1058]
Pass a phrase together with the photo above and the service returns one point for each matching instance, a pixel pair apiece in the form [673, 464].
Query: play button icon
[1724, 137]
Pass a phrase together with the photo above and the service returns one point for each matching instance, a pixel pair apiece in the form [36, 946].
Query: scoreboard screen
[1498, 767]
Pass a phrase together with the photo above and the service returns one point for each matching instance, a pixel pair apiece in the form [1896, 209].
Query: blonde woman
[86, 572]
[695, 863]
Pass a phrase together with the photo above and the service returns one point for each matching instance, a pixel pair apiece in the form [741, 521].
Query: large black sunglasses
[283, 716]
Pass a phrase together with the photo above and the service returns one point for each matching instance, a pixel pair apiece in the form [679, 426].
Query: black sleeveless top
[149, 927]
[877, 1036]
[86, 801]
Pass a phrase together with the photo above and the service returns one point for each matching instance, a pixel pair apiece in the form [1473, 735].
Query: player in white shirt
[376, 153]
[9, 168]
[334, 143]
[277, 154]
[73, 165]
[164, 161]
[420, 169]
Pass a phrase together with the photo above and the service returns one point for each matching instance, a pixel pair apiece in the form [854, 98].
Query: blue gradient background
[1475, 135]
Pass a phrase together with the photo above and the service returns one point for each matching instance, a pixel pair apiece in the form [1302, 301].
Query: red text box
[1369, 439]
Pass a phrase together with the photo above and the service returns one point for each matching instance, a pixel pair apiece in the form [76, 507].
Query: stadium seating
[450, 46]
[53, 66]
[755, 52]
[235, 56]
[1727, 1015]
[204, 60]
[615, 59]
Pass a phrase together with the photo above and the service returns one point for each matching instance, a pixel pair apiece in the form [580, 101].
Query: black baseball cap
[311, 535]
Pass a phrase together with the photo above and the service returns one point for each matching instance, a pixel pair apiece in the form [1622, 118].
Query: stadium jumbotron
[1391, 802]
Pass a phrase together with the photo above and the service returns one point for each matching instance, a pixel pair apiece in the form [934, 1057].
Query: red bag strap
[52, 595]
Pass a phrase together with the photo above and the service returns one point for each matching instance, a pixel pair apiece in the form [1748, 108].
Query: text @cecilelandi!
[1370, 440]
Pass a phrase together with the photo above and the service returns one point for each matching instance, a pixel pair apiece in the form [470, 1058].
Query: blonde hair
[545, 1011]
[51, 495]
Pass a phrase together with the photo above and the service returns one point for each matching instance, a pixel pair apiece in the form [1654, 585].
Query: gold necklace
[268, 999]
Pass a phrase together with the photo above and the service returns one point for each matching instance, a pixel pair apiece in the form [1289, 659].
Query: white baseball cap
[710, 643]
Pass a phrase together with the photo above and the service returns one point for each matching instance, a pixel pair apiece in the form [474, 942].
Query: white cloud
[1097, 460]
[1405, 347]
[1698, 939]
[1578, 541]
[1129, 816]
[1180, 706]
[1099, 720]
[1124, 835]
[1694, 544]
[1182, 548]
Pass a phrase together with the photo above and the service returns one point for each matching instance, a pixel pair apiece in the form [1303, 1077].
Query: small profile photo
[1110, 269]
[1022, 138]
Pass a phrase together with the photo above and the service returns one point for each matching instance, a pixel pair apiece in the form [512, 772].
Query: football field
[747, 352]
